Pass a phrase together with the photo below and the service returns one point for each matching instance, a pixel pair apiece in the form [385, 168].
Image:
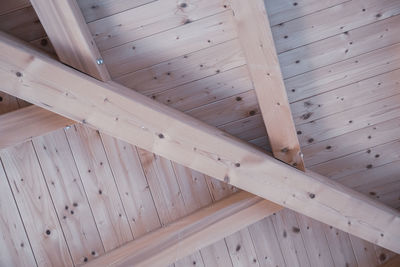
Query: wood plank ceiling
[340, 61]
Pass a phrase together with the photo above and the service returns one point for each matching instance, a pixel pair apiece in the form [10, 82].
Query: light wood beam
[136, 119]
[23, 124]
[394, 262]
[28, 122]
[66, 28]
[185, 236]
[70, 36]
[258, 45]
[74, 45]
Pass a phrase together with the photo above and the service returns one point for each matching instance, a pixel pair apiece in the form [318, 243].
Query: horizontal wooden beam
[23, 124]
[74, 45]
[136, 119]
[189, 234]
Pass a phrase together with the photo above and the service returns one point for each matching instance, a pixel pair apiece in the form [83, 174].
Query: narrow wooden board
[241, 249]
[216, 255]
[344, 17]
[100, 186]
[290, 238]
[266, 243]
[345, 98]
[188, 234]
[137, 23]
[132, 185]
[343, 73]
[352, 142]
[281, 11]
[97, 9]
[185, 68]
[340, 247]
[35, 206]
[340, 47]
[361, 160]
[315, 241]
[23, 24]
[164, 186]
[7, 6]
[69, 197]
[349, 120]
[194, 36]
[15, 249]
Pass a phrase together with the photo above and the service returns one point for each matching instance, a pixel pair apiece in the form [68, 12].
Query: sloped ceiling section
[341, 79]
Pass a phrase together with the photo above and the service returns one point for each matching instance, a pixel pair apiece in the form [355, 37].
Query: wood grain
[143, 122]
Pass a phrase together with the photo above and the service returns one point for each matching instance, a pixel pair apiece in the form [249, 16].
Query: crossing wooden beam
[256, 39]
[134, 118]
[67, 30]
[185, 236]
[74, 46]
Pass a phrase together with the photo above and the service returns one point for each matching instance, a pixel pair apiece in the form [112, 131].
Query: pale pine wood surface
[320, 77]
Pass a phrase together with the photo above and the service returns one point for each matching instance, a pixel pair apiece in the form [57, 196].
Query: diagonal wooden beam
[237, 212]
[70, 36]
[256, 39]
[136, 119]
[185, 236]
[74, 45]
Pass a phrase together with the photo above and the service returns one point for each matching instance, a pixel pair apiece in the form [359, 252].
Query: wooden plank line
[141, 54]
[134, 24]
[342, 18]
[340, 47]
[15, 246]
[349, 71]
[34, 201]
[69, 197]
[176, 136]
[132, 186]
[101, 189]
[283, 11]
[95, 9]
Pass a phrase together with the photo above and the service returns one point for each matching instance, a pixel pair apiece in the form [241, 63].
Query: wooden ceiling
[339, 61]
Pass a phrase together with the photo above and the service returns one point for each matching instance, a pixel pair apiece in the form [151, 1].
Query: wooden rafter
[70, 36]
[20, 125]
[258, 45]
[134, 118]
[75, 47]
[187, 235]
